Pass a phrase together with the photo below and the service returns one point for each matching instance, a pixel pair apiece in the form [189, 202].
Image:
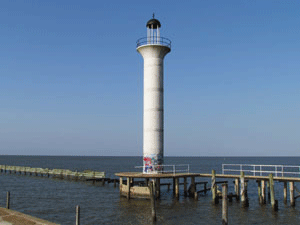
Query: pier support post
[259, 191]
[263, 191]
[157, 188]
[177, 187]
[244, 198]
[173, 185]
[224, 204]
[8, 200]
[268, 189]
[292, 198]
[285, 192]
[193, 186]
[237, 188]
[185, 186]
[128, 187]
[214, 187]
[121, 186]
[77, 215]
[274, 203]
[152, 199]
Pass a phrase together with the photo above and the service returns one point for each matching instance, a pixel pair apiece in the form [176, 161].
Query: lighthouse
[153, 49]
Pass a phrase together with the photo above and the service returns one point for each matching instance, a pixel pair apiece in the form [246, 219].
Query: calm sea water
[55, 199]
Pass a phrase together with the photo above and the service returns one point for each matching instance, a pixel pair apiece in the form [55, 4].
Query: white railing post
[188, 168]
[260, 170]
[222, 168]
[174, 169]
[254, 169]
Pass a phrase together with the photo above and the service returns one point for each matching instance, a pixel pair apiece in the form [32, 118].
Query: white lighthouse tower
[153, 48]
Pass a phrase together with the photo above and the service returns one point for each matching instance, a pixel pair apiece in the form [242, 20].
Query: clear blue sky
[71, 79]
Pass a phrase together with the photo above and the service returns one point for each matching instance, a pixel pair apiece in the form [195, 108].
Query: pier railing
[180, 168]
[262, 170]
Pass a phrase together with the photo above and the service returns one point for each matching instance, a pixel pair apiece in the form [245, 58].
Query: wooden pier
[129, 189]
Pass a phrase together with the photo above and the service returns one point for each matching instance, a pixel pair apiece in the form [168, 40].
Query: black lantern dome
[153, 24]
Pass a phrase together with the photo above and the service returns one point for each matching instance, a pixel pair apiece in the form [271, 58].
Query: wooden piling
[128, 187]
[259, 191]
[263, 191]
[177, 187]
[285, 192]
[173, 185]
[193, 186]
[272, 193]
[237, 188]
[121, 184]
[8, 200]
[157, 188]
[244, 199]
[224, 204]
[115, 183]
[185, 186]
[152, 199]
[246, 189]
[292, 198]
[77, 215]
[214, 187]
[268, 190]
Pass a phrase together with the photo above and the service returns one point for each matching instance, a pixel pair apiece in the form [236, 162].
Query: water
[55, 199]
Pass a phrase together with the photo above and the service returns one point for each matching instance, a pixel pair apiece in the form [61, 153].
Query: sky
[71, 80]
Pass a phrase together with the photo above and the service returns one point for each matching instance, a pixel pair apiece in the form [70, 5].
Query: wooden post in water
[224, 204]
[8, 200]
[214, 187]
[173, 185]
[152, 199]
[285, 192]
[268, 190]
[244, 198]
[177, 187]
[259, 191]
[246, 190]
[185, 186]
[292, 198]
[77, 215]
[157, 188]
[128, 187]
[263, 191]
[121, 185]
[272, 193]
[115, 183]
[237, 188]
[193, 186]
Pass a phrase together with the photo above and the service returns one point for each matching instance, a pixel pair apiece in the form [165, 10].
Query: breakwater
[61, 173]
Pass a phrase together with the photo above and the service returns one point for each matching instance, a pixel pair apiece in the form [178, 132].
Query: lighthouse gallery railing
[153, 40]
